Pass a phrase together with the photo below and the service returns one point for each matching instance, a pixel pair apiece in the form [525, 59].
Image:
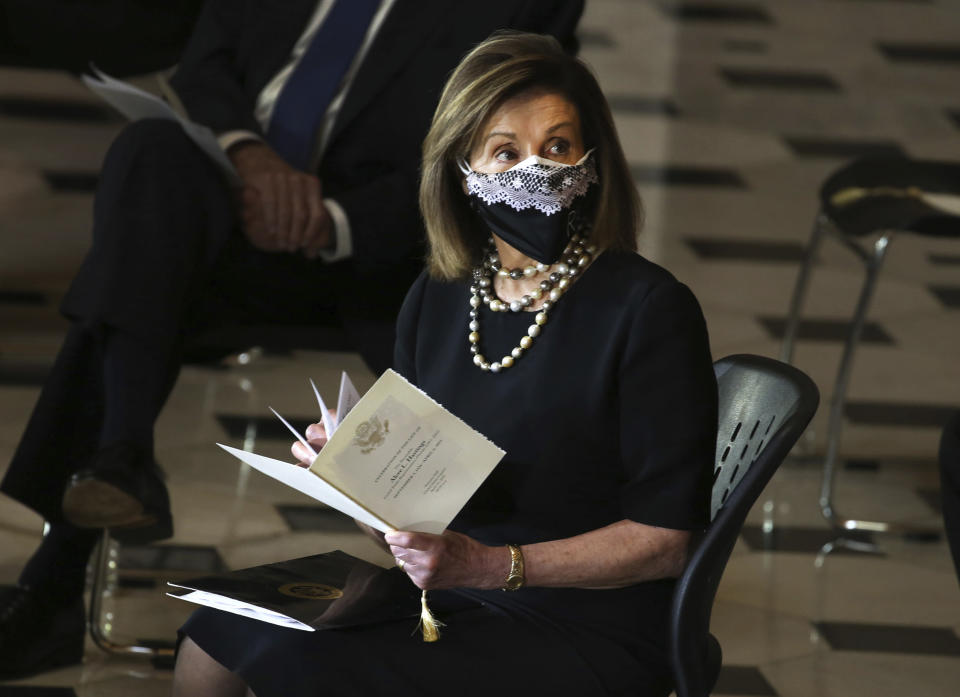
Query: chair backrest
[764, 407]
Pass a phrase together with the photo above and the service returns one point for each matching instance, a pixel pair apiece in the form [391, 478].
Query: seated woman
[539, 325]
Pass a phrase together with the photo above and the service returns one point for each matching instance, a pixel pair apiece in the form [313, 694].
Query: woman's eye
[560, 148]
[504, 156]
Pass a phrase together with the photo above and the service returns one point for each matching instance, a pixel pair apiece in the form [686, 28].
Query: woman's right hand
[316, 437]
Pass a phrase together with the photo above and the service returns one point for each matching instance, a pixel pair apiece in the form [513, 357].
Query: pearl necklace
[575, 258]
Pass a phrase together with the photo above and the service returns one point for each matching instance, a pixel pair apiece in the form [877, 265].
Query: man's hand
[282, 208]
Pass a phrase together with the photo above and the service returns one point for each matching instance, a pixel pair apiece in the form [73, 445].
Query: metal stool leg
[97, 593]
[820, 224]
[873, 260]
[835, 424]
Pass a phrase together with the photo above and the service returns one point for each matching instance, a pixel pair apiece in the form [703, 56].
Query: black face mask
[538, 236]
[529, 206]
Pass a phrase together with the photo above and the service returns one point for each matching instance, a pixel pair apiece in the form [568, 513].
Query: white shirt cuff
[343, 242]
[228, 139]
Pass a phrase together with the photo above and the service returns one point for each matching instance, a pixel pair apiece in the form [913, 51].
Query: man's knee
[155, 141]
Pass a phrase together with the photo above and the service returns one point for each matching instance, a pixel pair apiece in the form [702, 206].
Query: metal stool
[863, 205]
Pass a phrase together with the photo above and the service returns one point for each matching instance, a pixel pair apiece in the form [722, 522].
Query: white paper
[398, 461]
[305, 481]
[227, 604]
[296, 434]
[329, 425]
[410, 460]
[135, 104]
[348, 398]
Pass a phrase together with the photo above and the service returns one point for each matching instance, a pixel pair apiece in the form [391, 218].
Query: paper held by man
[396, 459]
[136, 104]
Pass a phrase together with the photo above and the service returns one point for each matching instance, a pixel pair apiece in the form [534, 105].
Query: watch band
[515, 579]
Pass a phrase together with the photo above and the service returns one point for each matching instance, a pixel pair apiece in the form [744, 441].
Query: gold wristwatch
[515, 579]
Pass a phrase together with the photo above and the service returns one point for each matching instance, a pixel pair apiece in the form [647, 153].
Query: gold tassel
[429, 625]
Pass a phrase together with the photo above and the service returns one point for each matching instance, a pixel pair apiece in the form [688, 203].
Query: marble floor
[732, 114]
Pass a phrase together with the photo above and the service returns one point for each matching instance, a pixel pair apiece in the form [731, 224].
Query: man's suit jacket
[372, 159]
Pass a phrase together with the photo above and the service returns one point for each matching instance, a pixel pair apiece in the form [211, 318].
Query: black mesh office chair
[764, 407]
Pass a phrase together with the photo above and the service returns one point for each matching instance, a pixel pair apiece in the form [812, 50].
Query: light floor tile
[844, 588]
[853, 674]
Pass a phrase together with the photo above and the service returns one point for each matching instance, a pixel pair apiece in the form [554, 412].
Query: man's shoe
[123, 490]
[38, 631]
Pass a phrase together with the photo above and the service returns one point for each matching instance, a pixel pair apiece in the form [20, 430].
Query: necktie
[312, 85]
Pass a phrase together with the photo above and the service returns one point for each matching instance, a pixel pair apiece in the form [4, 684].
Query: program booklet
[395, 459]
[323, 591]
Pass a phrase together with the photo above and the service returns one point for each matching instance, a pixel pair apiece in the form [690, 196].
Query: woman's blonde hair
[503, 66]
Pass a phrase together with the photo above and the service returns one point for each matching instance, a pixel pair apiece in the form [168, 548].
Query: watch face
[514, 583]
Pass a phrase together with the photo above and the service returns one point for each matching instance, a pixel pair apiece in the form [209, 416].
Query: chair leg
[820, 224]
[159, 648]
[839, 398]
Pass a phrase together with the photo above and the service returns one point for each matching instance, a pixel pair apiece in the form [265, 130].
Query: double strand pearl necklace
[575, 258]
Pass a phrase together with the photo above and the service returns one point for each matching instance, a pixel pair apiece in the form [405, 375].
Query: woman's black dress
[611, 414]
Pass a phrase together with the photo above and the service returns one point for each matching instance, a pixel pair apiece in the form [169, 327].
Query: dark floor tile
[954, 116]
[717, 177]
[944, 259]
[745, 250]
[50, 109]
[636, 104]
[889, 638]
[745, 46]
[825, 330]
[317, 517]
[919, 52]
[163, 662]
[768, 78]
[17, 374]
[788, 538]
[595, 38]
[137, 583]
[267, 427]
[22, 297]
[948, 295]
[861, 465]
[71, 182]
[739, 12]
[898, 414]
[843, 148]
[196, 559]
[35, 691]
[932, 497]
[742, 680]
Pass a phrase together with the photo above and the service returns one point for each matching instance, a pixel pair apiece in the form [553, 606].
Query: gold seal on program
[370, 434]
[311, 591]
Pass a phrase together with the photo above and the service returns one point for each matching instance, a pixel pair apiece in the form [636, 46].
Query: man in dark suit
[326, 227]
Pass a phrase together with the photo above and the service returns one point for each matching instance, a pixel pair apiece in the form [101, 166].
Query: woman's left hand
[450, 560]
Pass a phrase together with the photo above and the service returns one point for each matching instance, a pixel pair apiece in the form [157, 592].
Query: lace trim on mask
[547, 188]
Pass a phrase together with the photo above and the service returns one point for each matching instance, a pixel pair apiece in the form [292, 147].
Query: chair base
[143, 648]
